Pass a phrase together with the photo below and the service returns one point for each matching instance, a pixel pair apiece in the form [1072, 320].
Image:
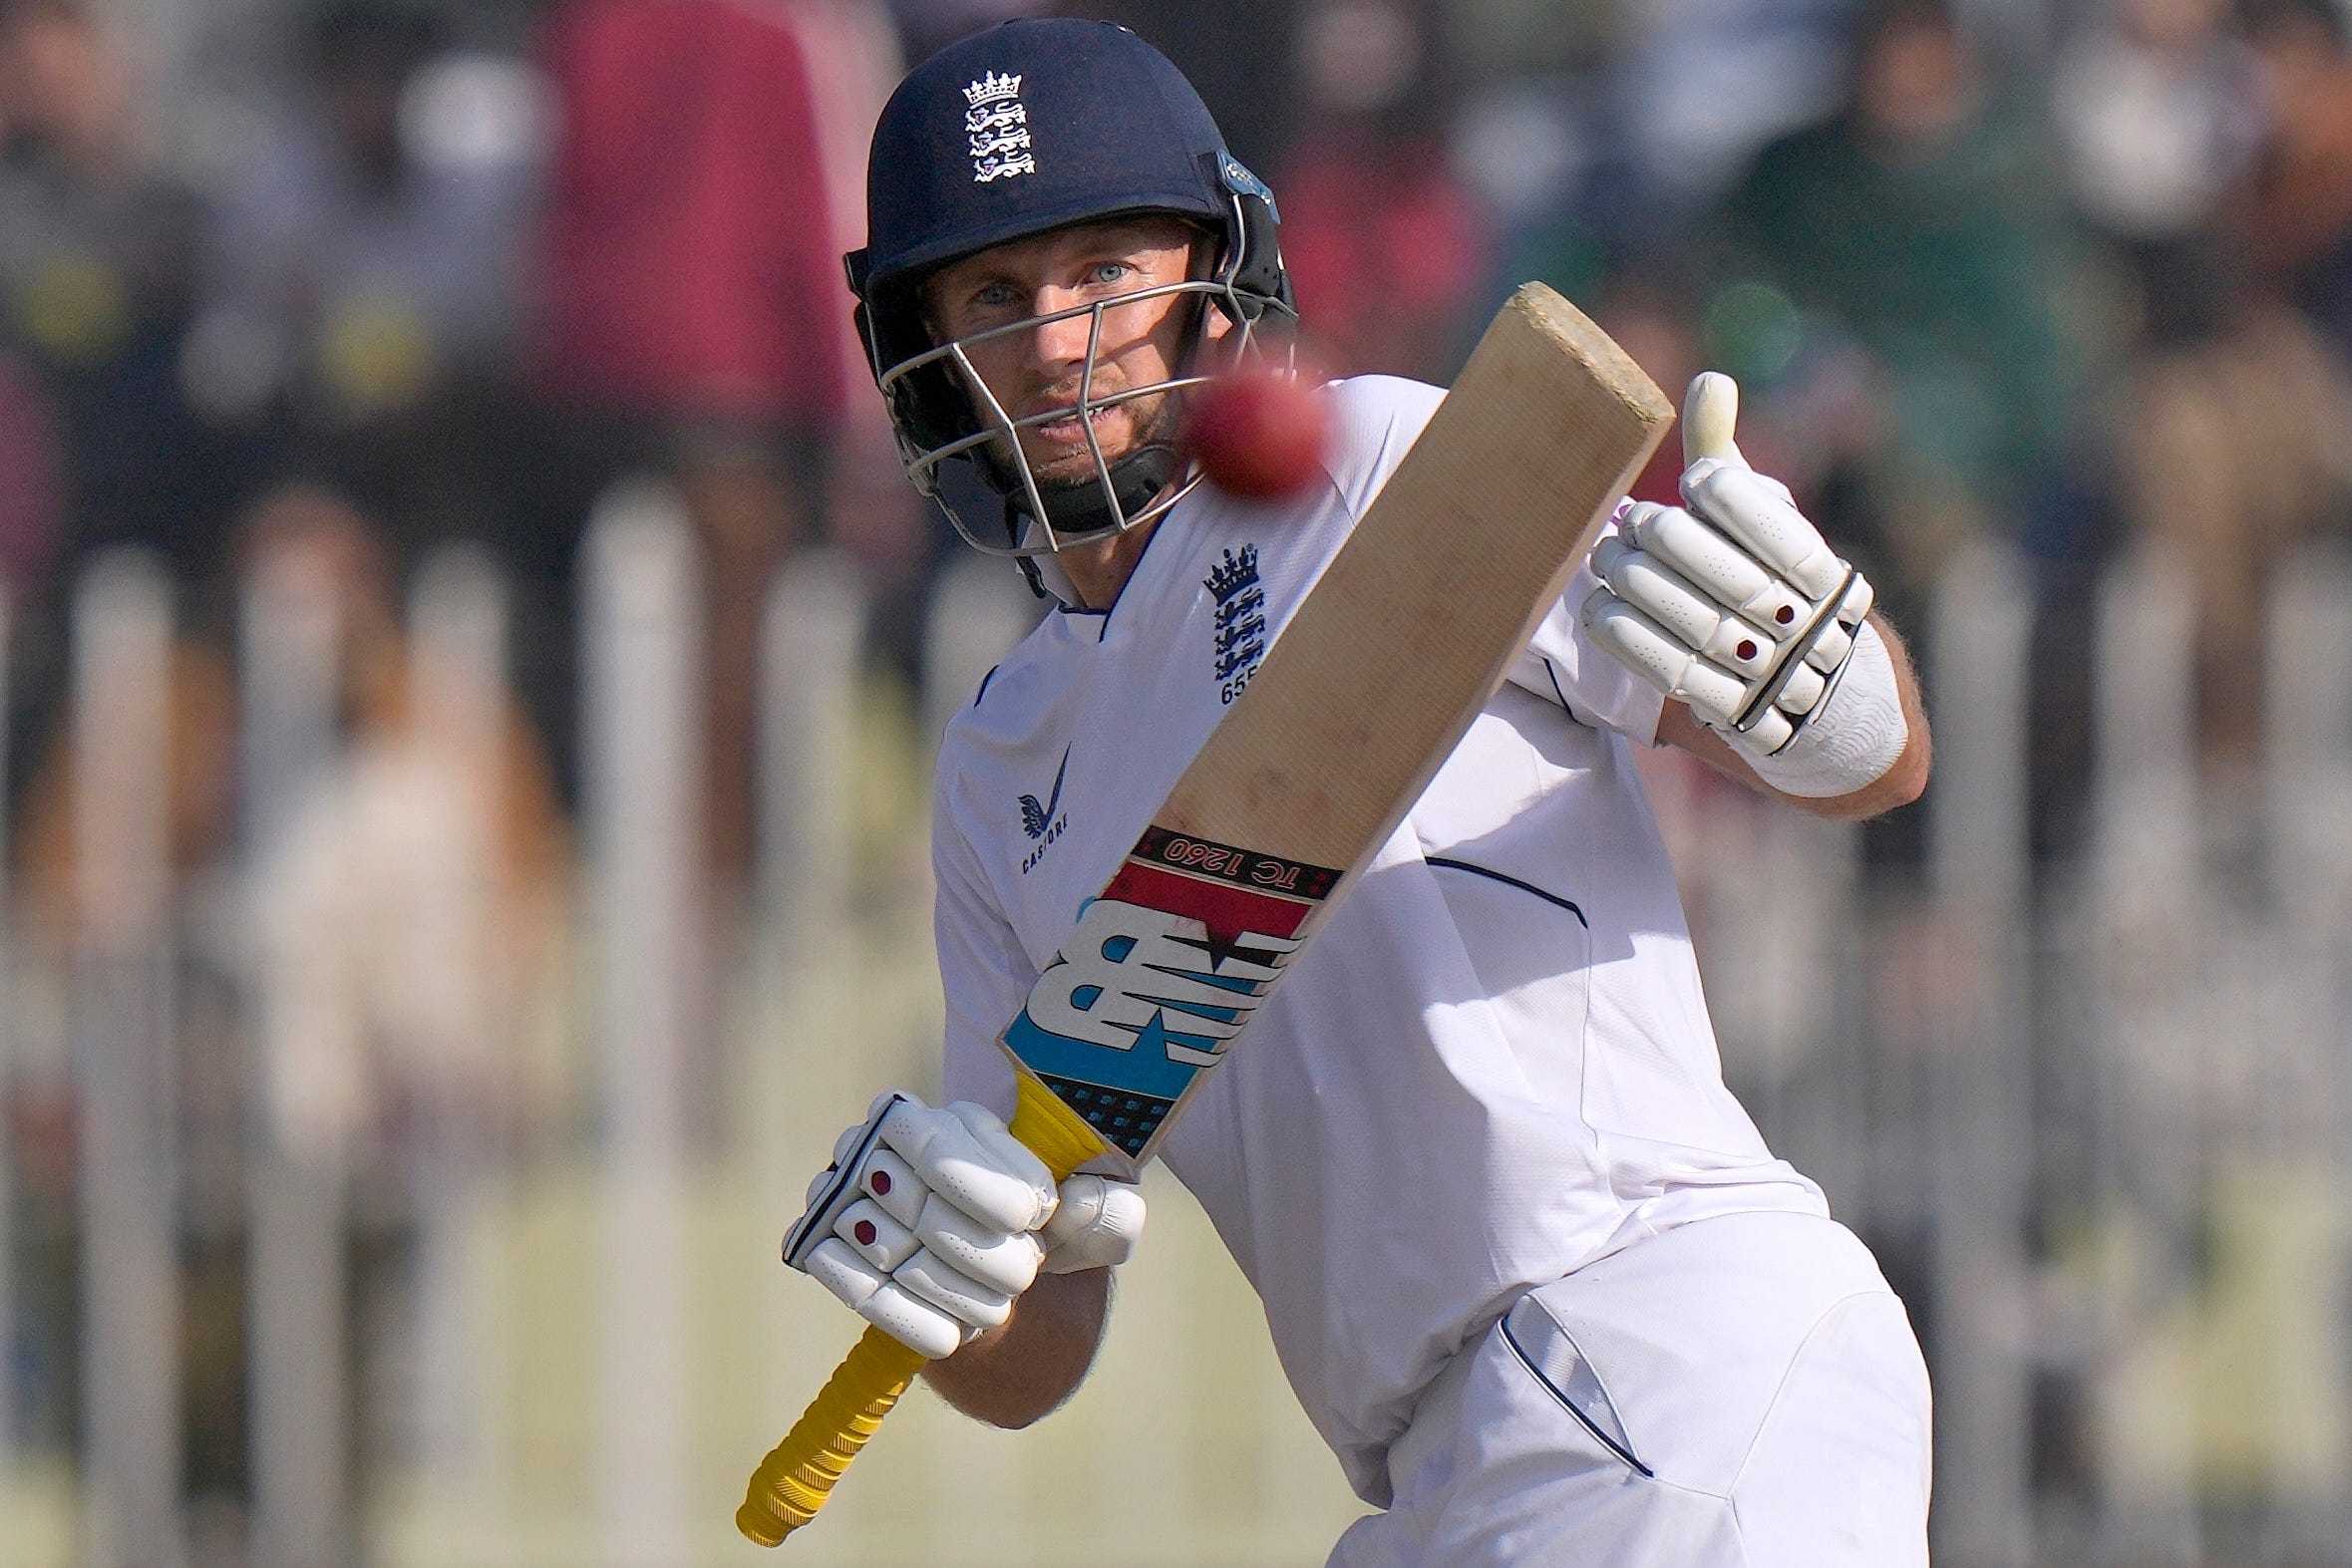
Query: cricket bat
[1357, 704]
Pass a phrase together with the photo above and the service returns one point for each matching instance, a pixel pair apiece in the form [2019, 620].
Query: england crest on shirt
[1239, 640]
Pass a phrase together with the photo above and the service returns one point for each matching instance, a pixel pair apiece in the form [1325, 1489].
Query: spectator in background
[690, 251]
[2235, 455]
[2158, 117]
[435, 800]
[1653, 311]
[416, 888]
[2299, 216]
[398, 905]
[1918, 226]
[32, 493]
[2235, 423]
[695, 319]
[94, 294]
[362, 275]
[1387, 249]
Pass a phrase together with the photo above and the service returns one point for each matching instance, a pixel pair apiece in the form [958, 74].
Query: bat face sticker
[1164, 968]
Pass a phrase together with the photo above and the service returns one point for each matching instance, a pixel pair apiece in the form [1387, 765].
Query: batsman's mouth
[1070, 429]
[1058, 449]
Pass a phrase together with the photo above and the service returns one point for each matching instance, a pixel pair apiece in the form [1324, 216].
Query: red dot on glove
[866, 1234]
[1746, 649]
[879, 1182]
[1784, 614]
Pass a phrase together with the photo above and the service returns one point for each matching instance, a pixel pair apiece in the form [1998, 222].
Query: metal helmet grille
[986, 484]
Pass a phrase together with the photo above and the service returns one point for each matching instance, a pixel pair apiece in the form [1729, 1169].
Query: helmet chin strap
[1136, 480]
[1084, 508]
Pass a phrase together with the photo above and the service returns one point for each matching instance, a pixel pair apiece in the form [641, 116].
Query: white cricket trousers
[1742, 1391]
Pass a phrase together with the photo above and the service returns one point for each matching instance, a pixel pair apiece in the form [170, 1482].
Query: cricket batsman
[1527, 1262]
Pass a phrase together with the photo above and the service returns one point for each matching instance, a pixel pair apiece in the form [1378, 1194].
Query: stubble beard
[1148, 420]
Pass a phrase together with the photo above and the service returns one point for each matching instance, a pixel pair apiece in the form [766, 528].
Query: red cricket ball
[1258, 434]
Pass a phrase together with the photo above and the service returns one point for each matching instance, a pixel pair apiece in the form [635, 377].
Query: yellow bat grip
[792, 1483]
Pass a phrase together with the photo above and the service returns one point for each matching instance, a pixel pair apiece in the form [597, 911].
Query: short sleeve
[1375, 422]
[982, 970]
[1562, 665]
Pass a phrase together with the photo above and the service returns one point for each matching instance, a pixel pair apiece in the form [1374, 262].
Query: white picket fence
[2094, 1114]
[587, 1340]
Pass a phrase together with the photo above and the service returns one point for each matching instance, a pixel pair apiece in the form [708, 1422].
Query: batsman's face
[1041, 369]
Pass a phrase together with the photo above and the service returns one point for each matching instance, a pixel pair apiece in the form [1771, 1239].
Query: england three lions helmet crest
[1027, 127]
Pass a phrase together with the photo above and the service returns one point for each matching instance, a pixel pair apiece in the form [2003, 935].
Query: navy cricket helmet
[1026, 128]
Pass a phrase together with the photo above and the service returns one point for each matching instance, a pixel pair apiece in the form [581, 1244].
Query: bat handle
[792, 1483]
[799, 1474]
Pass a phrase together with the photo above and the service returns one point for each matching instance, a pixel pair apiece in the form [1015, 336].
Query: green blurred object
[1952, 263]
[1751, 331]
[74, 306]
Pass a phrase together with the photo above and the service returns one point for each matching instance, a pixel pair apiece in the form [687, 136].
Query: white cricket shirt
[1493, 1064]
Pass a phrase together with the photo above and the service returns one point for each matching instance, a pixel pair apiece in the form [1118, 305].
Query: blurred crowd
[358, 278]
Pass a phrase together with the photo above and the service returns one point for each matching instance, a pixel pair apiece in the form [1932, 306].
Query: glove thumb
[1709, 410]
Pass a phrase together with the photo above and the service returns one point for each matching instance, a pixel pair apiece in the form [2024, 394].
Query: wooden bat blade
[1357, 705]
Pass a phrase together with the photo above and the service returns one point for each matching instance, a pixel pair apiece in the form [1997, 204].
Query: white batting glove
[1737, 606]
[929, 1223]
[1094, 1226]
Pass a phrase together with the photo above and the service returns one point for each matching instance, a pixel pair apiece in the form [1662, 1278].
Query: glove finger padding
[1710, 413]
[1002, 1260]
[1693, 618]
[874, 1236]
[1718, 567]
[926, 1222]
[933, 1279]
[841, 1184]
[968, 1156]
[1737, 607]
[1759, 516]
[892, 1185]
[1757, 618]
[873, 1296]
[1096, 1225]
[1716, 696]
[839, 1268]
